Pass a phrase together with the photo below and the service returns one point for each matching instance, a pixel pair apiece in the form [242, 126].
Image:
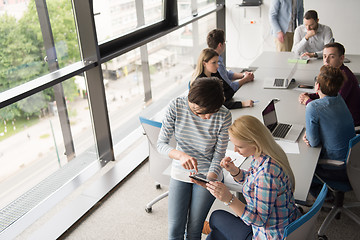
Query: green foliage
[22, 54]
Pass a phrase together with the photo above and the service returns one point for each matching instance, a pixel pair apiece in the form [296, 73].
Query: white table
[280, 60]
[288, 109]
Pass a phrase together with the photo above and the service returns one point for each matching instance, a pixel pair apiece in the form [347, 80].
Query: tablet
[200, 177]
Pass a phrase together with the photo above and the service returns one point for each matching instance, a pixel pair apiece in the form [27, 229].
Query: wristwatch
[229, 203]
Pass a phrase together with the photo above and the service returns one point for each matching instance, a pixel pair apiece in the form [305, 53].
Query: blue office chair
[159, 165]
[303, 228]
[340, 188]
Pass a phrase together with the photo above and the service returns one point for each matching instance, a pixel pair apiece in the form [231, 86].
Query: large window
[114, 18]
[32, 144]
[23, 55]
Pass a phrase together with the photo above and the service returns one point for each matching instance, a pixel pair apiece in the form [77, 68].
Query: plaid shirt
[270, 201]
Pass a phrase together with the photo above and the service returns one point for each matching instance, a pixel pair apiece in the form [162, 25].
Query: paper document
[289, 147]
[297, 60]
[307, 90]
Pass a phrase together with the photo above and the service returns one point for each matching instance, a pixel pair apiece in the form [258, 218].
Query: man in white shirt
[311, 37]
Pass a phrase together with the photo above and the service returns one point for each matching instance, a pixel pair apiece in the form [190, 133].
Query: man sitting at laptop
[329, 123]
[350, 91]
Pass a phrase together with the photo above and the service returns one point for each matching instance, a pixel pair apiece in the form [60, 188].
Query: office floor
[121, 215]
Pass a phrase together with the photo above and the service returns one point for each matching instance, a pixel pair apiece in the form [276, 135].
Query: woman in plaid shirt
[268, 187]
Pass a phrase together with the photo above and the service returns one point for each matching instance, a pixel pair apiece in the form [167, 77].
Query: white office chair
[160, 165]
[304, 227]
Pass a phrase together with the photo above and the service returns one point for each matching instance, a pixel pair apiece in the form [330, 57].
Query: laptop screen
[269, 116]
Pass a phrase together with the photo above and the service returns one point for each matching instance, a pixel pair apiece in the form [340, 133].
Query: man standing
[350, 91]
[216, 40]
[283, 15]
[310, 38]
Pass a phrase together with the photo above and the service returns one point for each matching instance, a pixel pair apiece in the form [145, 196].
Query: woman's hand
[227, 163]
[219, 190]
[188, 162]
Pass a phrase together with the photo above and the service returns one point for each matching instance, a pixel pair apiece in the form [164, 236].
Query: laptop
[280, 131]
[280, 82]
[251, 3]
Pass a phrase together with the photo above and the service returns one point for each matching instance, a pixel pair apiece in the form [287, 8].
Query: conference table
[280, 60]
[275, 64]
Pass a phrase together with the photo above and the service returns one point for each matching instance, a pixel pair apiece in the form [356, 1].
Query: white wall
[245, 41]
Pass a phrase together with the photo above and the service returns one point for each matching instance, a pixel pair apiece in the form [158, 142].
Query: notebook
[281, 82]
[280, 131]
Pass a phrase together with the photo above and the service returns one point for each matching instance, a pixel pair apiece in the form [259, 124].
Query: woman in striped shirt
[268, 187]
[200, 125]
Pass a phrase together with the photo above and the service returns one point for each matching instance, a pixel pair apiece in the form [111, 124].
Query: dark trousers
[226, 226]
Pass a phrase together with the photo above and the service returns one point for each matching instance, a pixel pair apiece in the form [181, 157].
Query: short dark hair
[207, 93]
[311, 14]
[215, 37]
[340, 48]
[331, 80]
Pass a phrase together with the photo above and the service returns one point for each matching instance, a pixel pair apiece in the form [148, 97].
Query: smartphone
[305, 86]
[200, 177]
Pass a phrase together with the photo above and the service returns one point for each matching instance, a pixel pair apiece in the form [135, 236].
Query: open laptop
[280, 82]
[280, 131]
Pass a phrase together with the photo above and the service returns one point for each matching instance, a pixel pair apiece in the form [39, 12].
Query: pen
[256, 101]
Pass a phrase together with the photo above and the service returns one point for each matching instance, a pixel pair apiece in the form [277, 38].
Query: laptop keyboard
[281, 130]
[279, 82]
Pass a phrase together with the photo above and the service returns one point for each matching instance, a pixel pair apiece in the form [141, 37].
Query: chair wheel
[158, 186]
[323, 237]
[148, 210]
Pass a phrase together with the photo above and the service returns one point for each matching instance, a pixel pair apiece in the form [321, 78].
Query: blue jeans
[226, 226]
[189, 205]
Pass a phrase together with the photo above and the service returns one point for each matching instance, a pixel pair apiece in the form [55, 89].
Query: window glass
[21, 45]
[184, 9]
[204, 4]
[64, 31]
[32, 144]
[114, 18]
[172, 58]
[124, 90]
[153, 11]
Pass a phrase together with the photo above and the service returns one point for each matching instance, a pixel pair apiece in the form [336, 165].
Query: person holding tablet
[268, 187]
[200, 123]
[207, 66]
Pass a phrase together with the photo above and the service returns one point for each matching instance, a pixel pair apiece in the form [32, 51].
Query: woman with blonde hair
[207, 66]
[268, 187]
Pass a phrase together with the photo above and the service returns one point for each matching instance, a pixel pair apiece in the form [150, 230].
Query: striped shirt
[270, 201]
[204, 139]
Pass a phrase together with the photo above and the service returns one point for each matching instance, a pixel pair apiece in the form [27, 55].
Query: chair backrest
[160, 165]
[304, 227]
[353, 165]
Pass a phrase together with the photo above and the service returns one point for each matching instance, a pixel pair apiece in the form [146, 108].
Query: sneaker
[206, 229]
